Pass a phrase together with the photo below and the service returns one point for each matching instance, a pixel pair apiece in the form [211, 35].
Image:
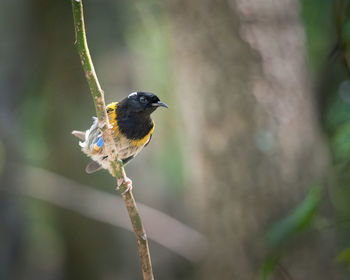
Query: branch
[117, 167]
[42, 184]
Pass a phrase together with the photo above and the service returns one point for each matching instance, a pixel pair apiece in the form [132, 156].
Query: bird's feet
[128, 183]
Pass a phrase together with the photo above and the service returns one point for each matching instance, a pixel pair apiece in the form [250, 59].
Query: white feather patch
[132, 94]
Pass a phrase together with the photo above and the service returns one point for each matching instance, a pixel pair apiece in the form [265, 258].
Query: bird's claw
[128, 183]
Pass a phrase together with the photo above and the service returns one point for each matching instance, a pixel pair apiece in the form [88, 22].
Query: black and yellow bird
[132, 130]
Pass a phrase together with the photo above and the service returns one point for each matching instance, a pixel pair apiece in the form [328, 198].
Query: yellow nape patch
[112, 115]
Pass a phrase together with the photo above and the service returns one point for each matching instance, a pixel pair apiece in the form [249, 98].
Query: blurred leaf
[280, 233]
[346, 32]
[268, 267]
[297, 221]
[344, 256]
[340, 142]
[338, 113]
[318, 22]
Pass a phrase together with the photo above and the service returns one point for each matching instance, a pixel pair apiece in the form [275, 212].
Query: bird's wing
[93, 167]
[126, 160]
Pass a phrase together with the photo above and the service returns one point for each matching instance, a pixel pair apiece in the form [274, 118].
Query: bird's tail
[90, 140]
[90, 137]
[79, 134]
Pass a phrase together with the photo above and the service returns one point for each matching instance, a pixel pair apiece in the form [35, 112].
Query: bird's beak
[159, 104]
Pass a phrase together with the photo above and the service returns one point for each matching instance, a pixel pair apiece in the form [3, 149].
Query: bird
[132, 129]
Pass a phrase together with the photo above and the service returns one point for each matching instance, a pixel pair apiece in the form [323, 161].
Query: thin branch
[100, 106]
[42, 184]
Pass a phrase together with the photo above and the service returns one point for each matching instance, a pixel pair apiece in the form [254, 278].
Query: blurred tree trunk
[254, 141]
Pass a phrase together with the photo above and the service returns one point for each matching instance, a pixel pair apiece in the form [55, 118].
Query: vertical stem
[119, 172]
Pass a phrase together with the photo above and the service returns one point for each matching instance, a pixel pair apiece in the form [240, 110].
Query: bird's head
[143, 102]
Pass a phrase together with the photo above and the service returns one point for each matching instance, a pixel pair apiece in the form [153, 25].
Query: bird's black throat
[133, 125]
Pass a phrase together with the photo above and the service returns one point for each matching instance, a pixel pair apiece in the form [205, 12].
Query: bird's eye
[142, 99]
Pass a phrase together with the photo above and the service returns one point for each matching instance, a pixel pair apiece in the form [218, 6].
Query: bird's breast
[128, 147]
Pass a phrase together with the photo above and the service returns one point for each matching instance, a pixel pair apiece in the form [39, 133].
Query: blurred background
[247, 174]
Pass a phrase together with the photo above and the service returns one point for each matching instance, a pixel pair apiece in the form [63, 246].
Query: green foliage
[346, 32]
[338, 122]
[318, 21]
[268, 267]
[338, 113]
[299, 220]
[327, 26]
[340, 142]
[344, 256]
[280, 234]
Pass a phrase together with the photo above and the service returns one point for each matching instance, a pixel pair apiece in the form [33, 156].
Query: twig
[100, 106]
[45, 185]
